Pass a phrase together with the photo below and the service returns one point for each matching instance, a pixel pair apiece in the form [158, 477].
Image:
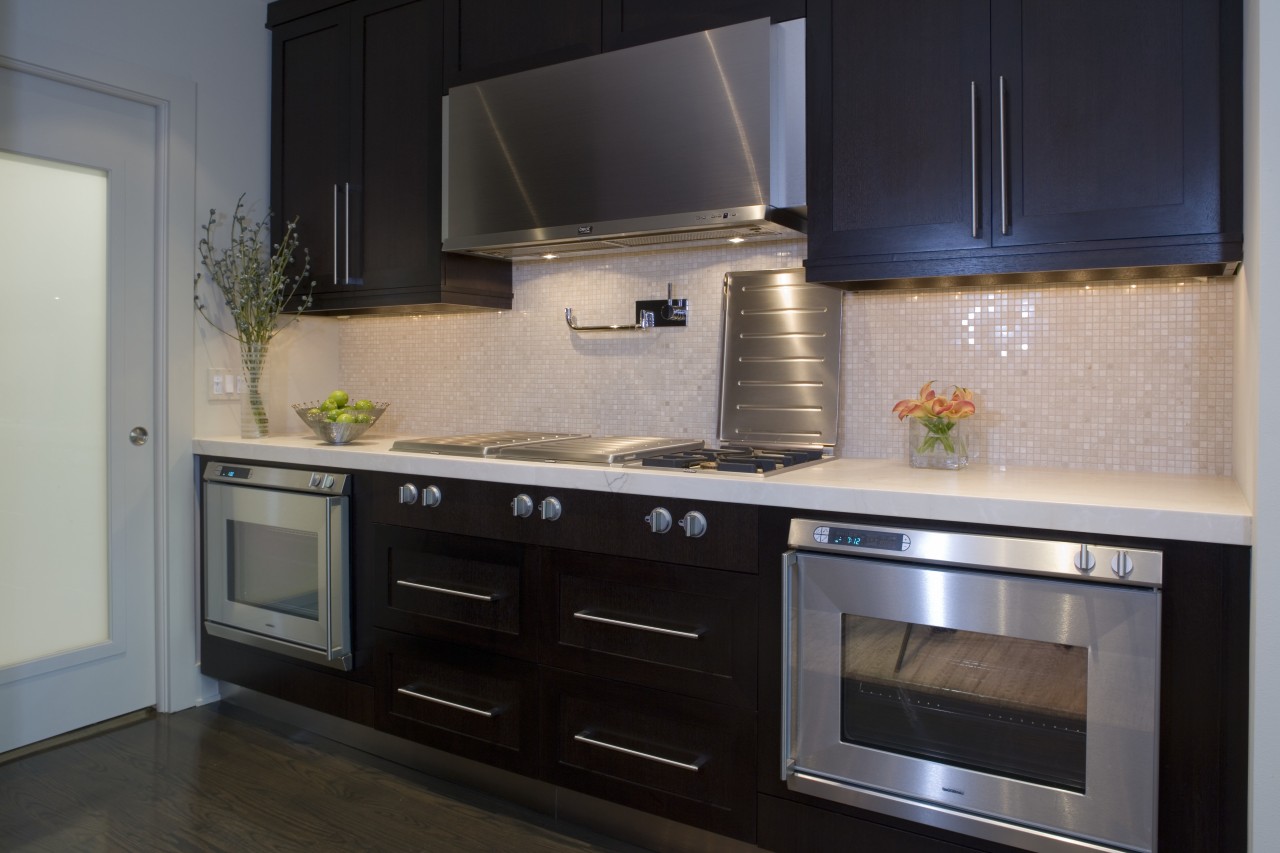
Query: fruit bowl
[339, 431]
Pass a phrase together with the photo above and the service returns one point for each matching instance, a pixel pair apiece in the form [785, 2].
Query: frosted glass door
[78, 178]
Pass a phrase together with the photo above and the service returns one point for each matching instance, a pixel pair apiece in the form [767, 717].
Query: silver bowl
[335, 432]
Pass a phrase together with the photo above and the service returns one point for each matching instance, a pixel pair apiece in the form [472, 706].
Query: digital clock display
[862, 538]
[233, 472]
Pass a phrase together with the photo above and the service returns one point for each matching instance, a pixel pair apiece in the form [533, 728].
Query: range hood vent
[691, 141]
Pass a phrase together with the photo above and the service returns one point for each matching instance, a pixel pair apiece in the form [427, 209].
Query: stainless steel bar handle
[346, 216]
[335, 233]
[1004, 166]
[639, 626]
[475, 596]
[436, 699]
[584, 737]
[973, 153]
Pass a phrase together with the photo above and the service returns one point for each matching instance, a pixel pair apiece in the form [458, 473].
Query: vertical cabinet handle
[346, 216]
[973, 152]
[1004, 165]
[335, 234]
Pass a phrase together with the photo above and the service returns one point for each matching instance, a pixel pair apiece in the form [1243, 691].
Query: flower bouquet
[936, 434]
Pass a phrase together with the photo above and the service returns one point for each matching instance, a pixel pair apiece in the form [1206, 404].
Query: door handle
[138, 436]
[1004, 166]
[973, 154]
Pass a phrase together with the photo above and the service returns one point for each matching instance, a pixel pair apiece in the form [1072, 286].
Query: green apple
[339, 399]
[364, 404]
[346, 418]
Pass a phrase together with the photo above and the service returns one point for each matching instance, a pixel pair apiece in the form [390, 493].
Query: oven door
[276, 571]
[1009, 707]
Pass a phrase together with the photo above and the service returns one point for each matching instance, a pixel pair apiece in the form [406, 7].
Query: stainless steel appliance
[687, 141]
[548, 447]
[276, 560]
[1002, 688]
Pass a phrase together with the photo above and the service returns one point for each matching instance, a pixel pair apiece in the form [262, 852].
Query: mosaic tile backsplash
[1132, 376]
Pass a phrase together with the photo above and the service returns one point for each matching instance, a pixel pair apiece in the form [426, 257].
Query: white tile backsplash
[1114, 376]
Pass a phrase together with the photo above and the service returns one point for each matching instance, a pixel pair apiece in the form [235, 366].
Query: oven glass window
[1003, 705]
[273, 568]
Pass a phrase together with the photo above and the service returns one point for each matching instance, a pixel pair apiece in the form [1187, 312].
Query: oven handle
[639, 626]
[475, 596]
[790, 580]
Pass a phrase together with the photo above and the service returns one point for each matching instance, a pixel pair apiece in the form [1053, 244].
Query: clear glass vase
[253, 405]
[938, 443]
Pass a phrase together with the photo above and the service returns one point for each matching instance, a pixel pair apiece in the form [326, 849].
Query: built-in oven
[1003, 688]
[276, 560]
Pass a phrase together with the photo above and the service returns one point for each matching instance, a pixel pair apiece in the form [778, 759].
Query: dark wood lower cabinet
[477, 705]
[683, 759]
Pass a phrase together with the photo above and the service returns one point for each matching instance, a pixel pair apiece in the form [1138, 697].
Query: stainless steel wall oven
[276, 560]
[1003, 688]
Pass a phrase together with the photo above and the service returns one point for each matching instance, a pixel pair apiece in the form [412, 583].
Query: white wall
[1258, 393]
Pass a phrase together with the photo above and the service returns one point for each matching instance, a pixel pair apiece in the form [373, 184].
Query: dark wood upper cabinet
[632, 22]
[990, 138]
[490, 38]
[356, 157]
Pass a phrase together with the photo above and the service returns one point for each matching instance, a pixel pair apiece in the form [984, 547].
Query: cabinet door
[481, 706]
[489, 38]
[456, 588]
[686, 760]
[897, 116]
[311, 108]
[396, 166]
[1112, 127]
[632, 22]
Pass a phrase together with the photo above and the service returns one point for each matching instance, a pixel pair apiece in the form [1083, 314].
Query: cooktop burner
[736, 460]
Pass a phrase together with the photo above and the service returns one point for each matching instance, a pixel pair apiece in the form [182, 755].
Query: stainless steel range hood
[688, 141]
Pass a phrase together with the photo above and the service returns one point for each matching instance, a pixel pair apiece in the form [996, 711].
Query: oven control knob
[408, 494]
[549, 509]
[431, 496]
[694, 524]
[1084, 560]
[522, 506]
[659, 520]
[1122, 564]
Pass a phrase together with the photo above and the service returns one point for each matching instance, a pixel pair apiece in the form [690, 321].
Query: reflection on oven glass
[273, 568]
[997, 704]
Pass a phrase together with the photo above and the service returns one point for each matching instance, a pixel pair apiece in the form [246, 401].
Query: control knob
[522, 506]
[1122, 564]
[431, 496]
[1084, 561]
[408, 494]
[549, 509]
[659, 520]
[694, 524]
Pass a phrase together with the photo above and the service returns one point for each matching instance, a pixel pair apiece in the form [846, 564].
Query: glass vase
[938, 443]
[253, 406]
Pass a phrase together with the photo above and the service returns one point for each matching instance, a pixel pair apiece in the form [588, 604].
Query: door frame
[178, 681]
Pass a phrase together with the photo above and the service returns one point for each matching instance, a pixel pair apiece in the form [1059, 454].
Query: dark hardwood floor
[220, 778]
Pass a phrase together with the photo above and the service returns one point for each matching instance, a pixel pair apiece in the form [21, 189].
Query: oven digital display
[863, 538]
[233, 472]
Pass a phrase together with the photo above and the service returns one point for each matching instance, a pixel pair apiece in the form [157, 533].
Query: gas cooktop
[549, 446]
[738, 460]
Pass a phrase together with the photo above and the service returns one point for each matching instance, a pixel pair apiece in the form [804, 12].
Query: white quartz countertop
[1155, 506]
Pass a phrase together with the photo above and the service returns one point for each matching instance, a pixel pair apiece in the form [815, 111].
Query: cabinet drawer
[677, 628]
[681, 758]
[476, 705]
[449, 587]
